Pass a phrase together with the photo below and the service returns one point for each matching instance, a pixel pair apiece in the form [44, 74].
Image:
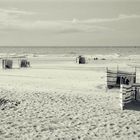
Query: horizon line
[70, 46]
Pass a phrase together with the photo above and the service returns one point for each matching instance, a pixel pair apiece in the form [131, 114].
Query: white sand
[64, 100]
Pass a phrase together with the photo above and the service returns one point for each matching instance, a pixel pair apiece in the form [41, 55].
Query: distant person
[123, 80]
[118, 80]
[80, 60]
[3, 62]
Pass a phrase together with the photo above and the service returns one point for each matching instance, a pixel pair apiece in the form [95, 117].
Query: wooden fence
[116, 78]
[111, 78]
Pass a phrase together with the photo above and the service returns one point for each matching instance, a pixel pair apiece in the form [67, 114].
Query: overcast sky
[69, 22]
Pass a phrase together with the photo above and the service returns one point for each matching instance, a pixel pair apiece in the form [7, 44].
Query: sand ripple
[42, 115]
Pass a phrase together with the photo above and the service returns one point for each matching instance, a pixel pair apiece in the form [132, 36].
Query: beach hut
[15, 62]
[7, 63]
[24, 63]
[116, 78]
[81, 60]
[126, 96]
[129, 94]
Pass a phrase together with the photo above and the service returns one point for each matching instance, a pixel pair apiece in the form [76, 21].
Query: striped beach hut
[126, 95]
[129, 94]
[116, 78]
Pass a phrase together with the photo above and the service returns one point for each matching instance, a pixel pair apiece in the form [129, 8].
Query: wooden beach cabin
[116, 78]
[24, 63]
[81, 60]
[15, 62]
[7, 63]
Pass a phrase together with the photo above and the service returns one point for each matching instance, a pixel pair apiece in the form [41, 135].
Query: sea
[71, 50]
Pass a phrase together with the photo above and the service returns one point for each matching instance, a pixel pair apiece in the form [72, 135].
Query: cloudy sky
[69, 22]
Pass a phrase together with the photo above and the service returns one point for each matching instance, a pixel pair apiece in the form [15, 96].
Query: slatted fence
[126, 95]
[116, 78]
[111, 78]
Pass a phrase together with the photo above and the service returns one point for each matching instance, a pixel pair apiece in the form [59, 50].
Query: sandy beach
[45, 94]
[57, 99]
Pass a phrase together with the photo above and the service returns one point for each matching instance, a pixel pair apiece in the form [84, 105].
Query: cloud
[61, 26]
[75, 25]
[12, 19]
[120, 17]
[15, 11]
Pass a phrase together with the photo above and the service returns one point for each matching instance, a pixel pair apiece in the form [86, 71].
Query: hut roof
[121, 73]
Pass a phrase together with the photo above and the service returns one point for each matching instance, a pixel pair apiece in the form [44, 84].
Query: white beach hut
[15, 62]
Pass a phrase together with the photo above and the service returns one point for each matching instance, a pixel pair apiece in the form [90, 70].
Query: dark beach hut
[7, 63]
[81, 59]
[24, 63]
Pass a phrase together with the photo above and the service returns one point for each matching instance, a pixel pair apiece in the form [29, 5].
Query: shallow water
[71, 50]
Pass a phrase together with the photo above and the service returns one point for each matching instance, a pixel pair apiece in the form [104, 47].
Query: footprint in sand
[100, 87]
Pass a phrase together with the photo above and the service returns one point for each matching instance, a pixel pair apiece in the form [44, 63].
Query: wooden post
[135, 74]
[2, 63]
[120, 81]
[135, 93]
[120, 76]
[132, 79]
[18, 63]
[121, 97]
[106, 79]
